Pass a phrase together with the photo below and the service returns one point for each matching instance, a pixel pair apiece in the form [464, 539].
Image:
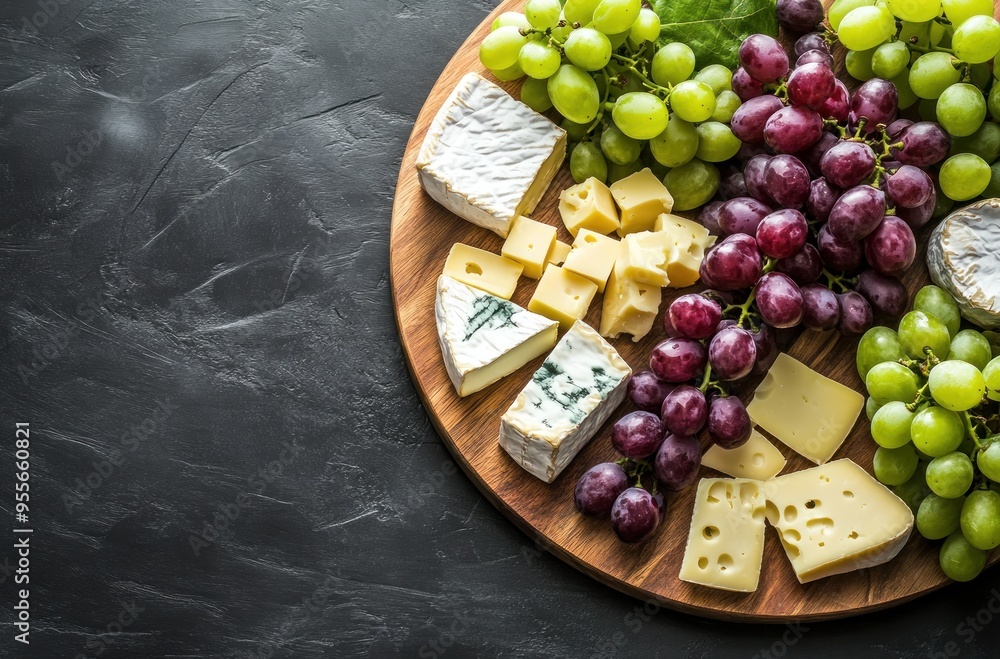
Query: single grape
[716, 76]
[918, 330]
[763, 58]
[779, 300]
[977, 39]
[750, 118]
[959, 11]
[677, 144]
[716, 142]
[753, 176]
[859, 64]
[891, 381]
[745, 86]
[729, 425]
[885, 293]
[646, 26]
[879, 344]
[950, 475]
[857, 213]
[848, 163]
[991, 375]
[804, 267]
[500, 48]
[677, 462]
[932, 73]
[822, 196]
[964, 176]
[793, 129]
[672, 64]
[920, 215]
[726, 105]
[635, 515]
[598, 488]
[588, 49]
[574, 131]
[956, 385]
[961, 109]
[811, 84]
[733, 186]
[980, 519]
[871, 408]
[730, 267]
[586, 161]
[909, 186]
[876, 102]
[936, 431]
[574, 94]
[891, 426]
[535, 95]
[799, 15]
[514, 18]
[985, 142]
[972, 347]
[815, 57]
[538, 61]
[695, 317]
[542, 14]
[731, 353]
[692, 100]
[678, 359]
[895, 466]
[938, 517]
[692, 184]
[839, 255]
[960, 560]
[988, 461]
[782, 234]
[646, 391]
[915, 490]
[708, 217]
[866, 27]
[637, 435]
[904, 92]
[890, 59]
[684, 411]
[742, 215]
[767, 348]
[892, 247]
[619, 148]
[840, 8]
[820, 308]
[640, 115]
[580, 11]
[787, 181]
[811, 41]
[894, 129]
[936, 302]
[616, 16]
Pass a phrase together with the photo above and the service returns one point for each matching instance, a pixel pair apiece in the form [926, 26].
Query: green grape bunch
[933, 391]
[626, 101]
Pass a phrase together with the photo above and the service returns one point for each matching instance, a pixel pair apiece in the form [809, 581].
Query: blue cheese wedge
[568, 399]
[484, 337]
[488, 157]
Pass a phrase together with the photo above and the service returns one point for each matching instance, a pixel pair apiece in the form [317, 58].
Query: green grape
[993, 189]
[580, 11]
[841, 8]
[938, 517]
[991, 374]
[574, 131]
[673, 63]
[676, 145]
[650, 161]
[872, 408]
[588, 49]
[994, 102]
[692, 100]
[936, 302]
[988, 462]
[619, 148]
[500, 48]
[972, 347]
[879, 344]
[915, 490]
[977, 39]
[618, 39]
[726, 105]
[950, 475]
[932, 73]
[981, 519]
[616, 16]
[906, 96]
[716, 142]
[918, 11]
[890, 59]
[586, 161]
[646, 27]
[535, 94]
[984, 143]
[891, 381]
[980, 76]
[964, 176]
[940, 34]
[716, 76]
[895, 466]
[859, 64]
[640, 115]
[618, 172]
[956, 385]
[958, 11]
[514, 18]
[919, 330]
[512, 72]
[942, 203]
[891, 426]
[574, 94]
[542, 14]
[918, 34]
[960, 560]
[692, 184]
[936, 431]
[539, 60]
[866, 27]
[961, 109]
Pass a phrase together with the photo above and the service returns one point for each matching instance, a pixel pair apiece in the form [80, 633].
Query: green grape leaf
[714, 29]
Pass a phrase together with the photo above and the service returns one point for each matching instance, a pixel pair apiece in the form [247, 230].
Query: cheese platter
[521, 335]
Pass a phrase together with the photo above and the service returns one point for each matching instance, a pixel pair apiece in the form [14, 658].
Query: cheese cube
[726, 540]
[836, 518]
[593, 256]
[588, 205]
[562, 295]
[642, 198]
[558, 253]
[809, 413]
[565, 403]
[758, 459]
[488, 157]
[644, 256]
[688, 242]
[483, 270]
[484, 338]
[629, 307]
[529, 243]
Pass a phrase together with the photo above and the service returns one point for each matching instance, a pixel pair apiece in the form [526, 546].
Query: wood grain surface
[422, 234]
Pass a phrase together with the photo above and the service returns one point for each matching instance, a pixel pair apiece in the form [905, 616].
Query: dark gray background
[204, 285]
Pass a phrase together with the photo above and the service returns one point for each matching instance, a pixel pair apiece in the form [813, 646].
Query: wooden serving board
[422, 234]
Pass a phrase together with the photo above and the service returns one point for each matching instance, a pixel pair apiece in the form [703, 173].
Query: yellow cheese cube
[593, 256]
[629, 307]
[644, 257]
[588, 206]
[558, 253]
[642, 198]
[688, 241]
[483, 270]
[529, 243]
[563, 296]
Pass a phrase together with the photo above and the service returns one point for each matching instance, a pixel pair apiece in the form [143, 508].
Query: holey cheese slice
[963, 258]
[726, 540]
[488, 157]
[836, 518]
[483, 337]
[757, 458]
[809, 413]
[567, 400]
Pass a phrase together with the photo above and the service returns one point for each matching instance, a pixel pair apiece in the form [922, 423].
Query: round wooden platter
[422, 234]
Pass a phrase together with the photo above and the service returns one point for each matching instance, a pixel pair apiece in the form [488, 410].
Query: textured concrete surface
[227, 455]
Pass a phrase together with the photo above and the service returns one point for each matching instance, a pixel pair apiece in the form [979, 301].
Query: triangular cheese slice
[484, 337]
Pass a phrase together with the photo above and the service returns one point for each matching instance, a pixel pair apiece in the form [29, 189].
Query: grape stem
[970, 431]
[838, 280]
[919, 399]
[706, 379]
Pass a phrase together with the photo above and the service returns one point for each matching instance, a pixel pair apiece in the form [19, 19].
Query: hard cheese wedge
[488, 157]
[642, 198]
[726, 540]
[592, 257]
[758, 459]
[809, 413]
[567, 400]
[483, 270]
[629, 306]
[529, 243]
[483, 337]
[836, 518]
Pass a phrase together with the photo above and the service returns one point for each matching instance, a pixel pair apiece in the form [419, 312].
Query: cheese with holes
[568, 399]
[644, 257]
[758, 459]
[726, 540]
[483, 270]
[558, 253]
[529, 243]
[562, 295]
[588, 205]
[687, 242]
[642, 198]
[488, 157]
[629, 307]
[483, 337]
[836, 518]
[809, 413]
[593, 256]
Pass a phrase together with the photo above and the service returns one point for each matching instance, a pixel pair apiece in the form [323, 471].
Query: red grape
[838, 105]
[779, 300]
[694, 316]
[822, 197]
[635, 515]
[820, 308]
[787, 181]
[812, 83]
[839, 255]
[924, 144]
[856, 213]
[684, 411]
[730, 266]
[745, 86]
[782, 234]
[742, 215]
[919, 216]
[909, 186]
[876, 101]
[886, 295]
[767, 348]
[753, 175]
[847, 164]
[646, 391]
[793, 129]
[750, 118]
[815, 57]
[708, 217]
[804, 267]
[763, 58]
[598, 488]
[728, 422]
[799, 15]
[733, 186]
[856, 314]
[678, 359]
[891, 248]
[677, 462]
[637, 435]
[732, 353]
